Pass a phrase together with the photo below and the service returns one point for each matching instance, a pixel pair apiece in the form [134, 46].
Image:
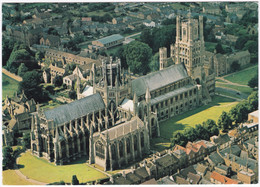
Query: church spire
[147, 95]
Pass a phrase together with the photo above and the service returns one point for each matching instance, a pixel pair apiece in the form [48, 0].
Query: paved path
[20, 174]
[107, 174]
[228, 97]
[229, 82]
[133, 35]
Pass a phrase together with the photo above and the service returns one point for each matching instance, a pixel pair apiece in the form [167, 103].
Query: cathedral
[114, 122]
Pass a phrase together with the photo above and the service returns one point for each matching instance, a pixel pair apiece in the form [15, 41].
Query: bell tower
[189, 46]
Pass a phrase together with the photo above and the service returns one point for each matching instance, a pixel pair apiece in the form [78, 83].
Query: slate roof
[216, 158]
[141, 172]
[76, 109]
[122, 129]
[159, 79]
[222, 139]
[172, 94]
[201, 168]
[167, 161]
[235, 150]
[110, 39]
[193, 178]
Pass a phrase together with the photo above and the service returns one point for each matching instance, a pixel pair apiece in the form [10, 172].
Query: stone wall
[12, 75]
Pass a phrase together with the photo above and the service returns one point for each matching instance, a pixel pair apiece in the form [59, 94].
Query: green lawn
[9, 86]
[11, 178]
[243, 89]
[41, 170]
[242, 77]
[113, 50]
[189, 119]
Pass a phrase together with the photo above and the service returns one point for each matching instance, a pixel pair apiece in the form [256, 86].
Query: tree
[224, 121]
[241, 41]
[154, 64]
[31, 85]
[190, 134]
[8, 158]
[75, 180]
[253, 101]
[252, 83]
[235, 66]
[27, 140]
[39, 56]
[22, 70]
[201, 132]
[70, 68]
[211, 127]
[7, 47]
[72, 94]
[137, 55]
[146, 37]
[178, 139]
[16, 58]
[58, 81]
[219, 48]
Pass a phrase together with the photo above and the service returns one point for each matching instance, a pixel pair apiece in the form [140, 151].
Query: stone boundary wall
[12, 75]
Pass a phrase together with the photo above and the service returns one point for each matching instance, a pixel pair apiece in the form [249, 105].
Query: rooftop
[110, 39]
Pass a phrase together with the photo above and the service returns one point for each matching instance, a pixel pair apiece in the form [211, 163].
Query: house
[166, 165]
[211, 9]
[222, 169]
[50, 40]
[253, 116]
[46, 76]
[247, 177]
[214, 159]
[230, 40]
[149, 23]
[117, 20]
[70, 80]
[222, 141]
[196, 151]
[201, 169]
[19, 108]
[217, 178]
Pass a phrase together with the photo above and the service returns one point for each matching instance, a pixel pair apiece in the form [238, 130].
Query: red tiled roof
[222, 179]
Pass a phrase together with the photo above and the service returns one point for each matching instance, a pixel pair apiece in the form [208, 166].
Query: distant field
[243, 89]
[189, 119]
[41, 170]
[243, 76]
[9, 86]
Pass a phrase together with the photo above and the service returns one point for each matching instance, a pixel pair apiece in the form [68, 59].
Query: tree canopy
[8, 158]
[224, 121]
[31, 85]
[252, 83]
[137, 56]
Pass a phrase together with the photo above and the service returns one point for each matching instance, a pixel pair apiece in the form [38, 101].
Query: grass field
[11, 178]
[41, 170]
[189, 119]
[242, 77]
[9, 86]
